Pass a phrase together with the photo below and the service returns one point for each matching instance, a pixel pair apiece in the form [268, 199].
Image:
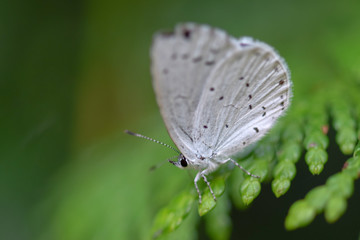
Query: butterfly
[216, 94]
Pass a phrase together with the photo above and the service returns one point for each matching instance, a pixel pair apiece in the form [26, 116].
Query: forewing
[181, 64]
[245, 96]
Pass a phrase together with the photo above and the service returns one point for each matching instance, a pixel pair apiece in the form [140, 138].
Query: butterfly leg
[197, 178]
[208, 184]
[246, 171]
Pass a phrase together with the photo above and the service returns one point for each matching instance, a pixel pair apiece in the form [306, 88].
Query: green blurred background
[75, 74]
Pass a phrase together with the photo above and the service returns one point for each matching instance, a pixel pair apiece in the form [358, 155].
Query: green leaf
[208, 203]
[293, 133]
[290, 151]
[316, 168]
[280, 186]
[357, 150]
[341, 185]
[335, 208]
[316, 139]
[265, 151]
[218, 222]
[250, 189]
[171, 216]
[316, 158]
[285, 169]
[236, 179]
[346, 138]
[352, 167]
[318, 197]
[300, 214]
[259, 167]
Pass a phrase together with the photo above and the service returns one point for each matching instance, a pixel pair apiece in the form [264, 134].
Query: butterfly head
[182, 162]
[198, 163]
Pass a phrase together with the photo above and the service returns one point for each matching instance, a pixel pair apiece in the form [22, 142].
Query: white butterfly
[216, 94]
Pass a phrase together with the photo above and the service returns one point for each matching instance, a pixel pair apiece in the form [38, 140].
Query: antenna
[150, 139]
[154, 167]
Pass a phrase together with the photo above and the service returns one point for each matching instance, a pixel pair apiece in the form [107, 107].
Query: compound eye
[183, 162]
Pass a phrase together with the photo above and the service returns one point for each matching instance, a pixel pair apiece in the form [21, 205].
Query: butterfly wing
[246, 94]
[181, 65]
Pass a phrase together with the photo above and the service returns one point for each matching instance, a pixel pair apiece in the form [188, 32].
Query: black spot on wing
[250, 96]
[256, 129]
[186, 33]
[197, 59]
[205, 126]
[250, 107]
[212, 89]
[209, 63]
[241, 78]
[221, 98]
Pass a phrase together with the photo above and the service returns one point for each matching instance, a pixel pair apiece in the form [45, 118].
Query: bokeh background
[75, 74]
